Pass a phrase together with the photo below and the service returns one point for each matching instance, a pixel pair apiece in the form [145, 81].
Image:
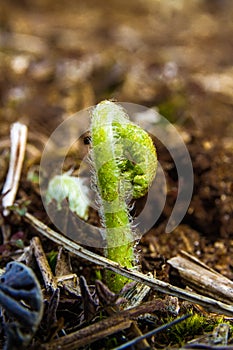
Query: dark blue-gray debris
[22, 305]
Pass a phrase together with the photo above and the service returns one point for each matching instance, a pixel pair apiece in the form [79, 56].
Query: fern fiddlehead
[124, 160]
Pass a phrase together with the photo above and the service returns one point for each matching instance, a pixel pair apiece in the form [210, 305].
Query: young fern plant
[125, 162]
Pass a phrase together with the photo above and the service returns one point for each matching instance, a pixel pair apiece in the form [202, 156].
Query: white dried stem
[18, 146]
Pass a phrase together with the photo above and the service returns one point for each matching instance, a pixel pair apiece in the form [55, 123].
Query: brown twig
[135, 330]
[101, 329]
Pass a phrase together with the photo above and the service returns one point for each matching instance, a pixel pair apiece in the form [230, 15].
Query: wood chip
[202, 279]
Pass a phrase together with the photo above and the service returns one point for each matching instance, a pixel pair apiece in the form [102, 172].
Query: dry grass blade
[18, 146]
[211, 304]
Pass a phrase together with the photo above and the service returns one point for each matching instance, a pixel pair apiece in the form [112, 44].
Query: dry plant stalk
[67, 280]
[49, 279]
[210, 304]
[202, 279]
[18, 147]
[135, 330]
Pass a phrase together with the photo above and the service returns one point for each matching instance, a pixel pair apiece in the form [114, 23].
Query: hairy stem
[124, 160]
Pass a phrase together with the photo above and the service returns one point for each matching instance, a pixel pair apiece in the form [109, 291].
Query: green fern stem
[125, 162]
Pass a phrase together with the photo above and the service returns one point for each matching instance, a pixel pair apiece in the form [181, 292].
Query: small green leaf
[71, 188]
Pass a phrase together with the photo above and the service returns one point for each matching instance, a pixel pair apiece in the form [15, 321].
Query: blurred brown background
[57, 57]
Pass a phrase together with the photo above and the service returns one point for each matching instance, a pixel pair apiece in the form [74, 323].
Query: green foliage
[52, 260]
[194, 326]
[19, 243]
[174, 107]
[20, 208]
[33, 176]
